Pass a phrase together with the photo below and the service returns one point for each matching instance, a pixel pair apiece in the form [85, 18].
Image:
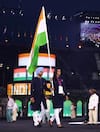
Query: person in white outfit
[9, 108]
[48, 95]
[73, 110]
[45, 113]
[93, 106]
[15, 110]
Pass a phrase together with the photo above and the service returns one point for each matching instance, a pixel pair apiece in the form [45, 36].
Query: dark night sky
[67, 7]
[31, 9]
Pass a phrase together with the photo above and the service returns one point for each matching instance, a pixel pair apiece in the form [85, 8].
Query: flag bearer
[38, 88]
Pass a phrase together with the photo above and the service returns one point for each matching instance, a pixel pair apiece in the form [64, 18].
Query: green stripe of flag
[40, 41]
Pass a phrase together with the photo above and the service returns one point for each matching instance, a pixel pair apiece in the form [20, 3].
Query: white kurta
[15, 109]
[93, 108]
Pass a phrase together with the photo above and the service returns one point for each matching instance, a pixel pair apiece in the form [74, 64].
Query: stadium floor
[27, 126]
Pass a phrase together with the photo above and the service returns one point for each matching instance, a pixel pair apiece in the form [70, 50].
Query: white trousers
[14, 116]
[36, 118]
[56, 116]
[93, 116]
[44, 114]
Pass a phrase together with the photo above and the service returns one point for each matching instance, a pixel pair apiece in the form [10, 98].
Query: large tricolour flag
[40, 39]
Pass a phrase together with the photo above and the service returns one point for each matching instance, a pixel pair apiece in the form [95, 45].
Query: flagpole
[48, 49]
[50, 67]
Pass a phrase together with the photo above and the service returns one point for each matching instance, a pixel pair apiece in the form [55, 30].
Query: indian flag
[40, 39]
[19, 74]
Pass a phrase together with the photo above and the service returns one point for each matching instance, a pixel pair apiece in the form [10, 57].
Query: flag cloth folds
[40, 39]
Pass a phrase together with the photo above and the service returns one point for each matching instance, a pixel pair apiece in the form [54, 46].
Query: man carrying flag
[40, 39]
[38, 97]
[38, 83]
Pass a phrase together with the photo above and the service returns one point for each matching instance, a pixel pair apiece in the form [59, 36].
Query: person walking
[58, 97]
[48, 97]
[9, 108]
[73, 110]
[37, 96]
[14, 112]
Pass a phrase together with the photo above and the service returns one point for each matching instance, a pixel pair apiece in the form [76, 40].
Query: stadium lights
[49, 15]
[6, 40]
[79, 46]
[11, 11]
[56, 17]
[1, 65]
[5, 30]
[25, 34]
[3, 11]
[99, 73]
[18, 35]
[67, 46]
[63, 18]
[4, 66]
[7, 67]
